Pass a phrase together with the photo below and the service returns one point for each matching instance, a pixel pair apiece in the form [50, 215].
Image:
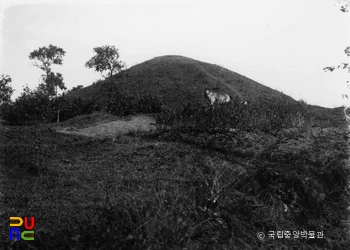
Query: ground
[80, 170]
[140, 123]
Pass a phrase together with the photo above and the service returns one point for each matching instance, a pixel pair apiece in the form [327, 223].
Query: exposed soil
[137, 123]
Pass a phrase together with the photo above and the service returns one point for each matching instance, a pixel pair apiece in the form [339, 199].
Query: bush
[70, 109]
[30, 108]
[263, 115]
[149, 104]
[122, 104]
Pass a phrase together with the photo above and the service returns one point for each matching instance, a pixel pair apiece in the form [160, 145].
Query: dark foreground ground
[158, 190]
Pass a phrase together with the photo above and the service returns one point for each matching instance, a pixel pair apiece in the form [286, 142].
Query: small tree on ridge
[106, 61]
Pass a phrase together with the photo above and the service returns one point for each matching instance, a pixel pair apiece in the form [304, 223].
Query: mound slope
[178, 80]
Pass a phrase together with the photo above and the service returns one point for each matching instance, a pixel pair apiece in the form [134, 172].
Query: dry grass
[104, 128]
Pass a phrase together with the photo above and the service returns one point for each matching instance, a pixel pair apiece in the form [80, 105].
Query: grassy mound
[179, 80]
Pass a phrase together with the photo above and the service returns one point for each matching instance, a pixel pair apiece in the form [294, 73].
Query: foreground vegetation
[208, 178]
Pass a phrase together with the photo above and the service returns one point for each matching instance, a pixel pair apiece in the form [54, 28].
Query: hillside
[228, 177]
[178, 80]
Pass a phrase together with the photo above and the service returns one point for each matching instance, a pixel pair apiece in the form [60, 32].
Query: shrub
[30, 108]
[122, 104]
[149, 104]
[263, 115]
[78, 106]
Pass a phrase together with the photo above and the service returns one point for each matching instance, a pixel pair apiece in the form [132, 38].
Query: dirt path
[140, 123]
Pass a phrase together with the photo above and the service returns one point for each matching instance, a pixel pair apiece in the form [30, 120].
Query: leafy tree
[5, 89]
[30, 107]
[106, 61]
[345, 5]
[342, 65]
[55, 81]
[52, 81]
[46, 57]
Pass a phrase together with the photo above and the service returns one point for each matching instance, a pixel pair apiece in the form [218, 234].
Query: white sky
[282, 44]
